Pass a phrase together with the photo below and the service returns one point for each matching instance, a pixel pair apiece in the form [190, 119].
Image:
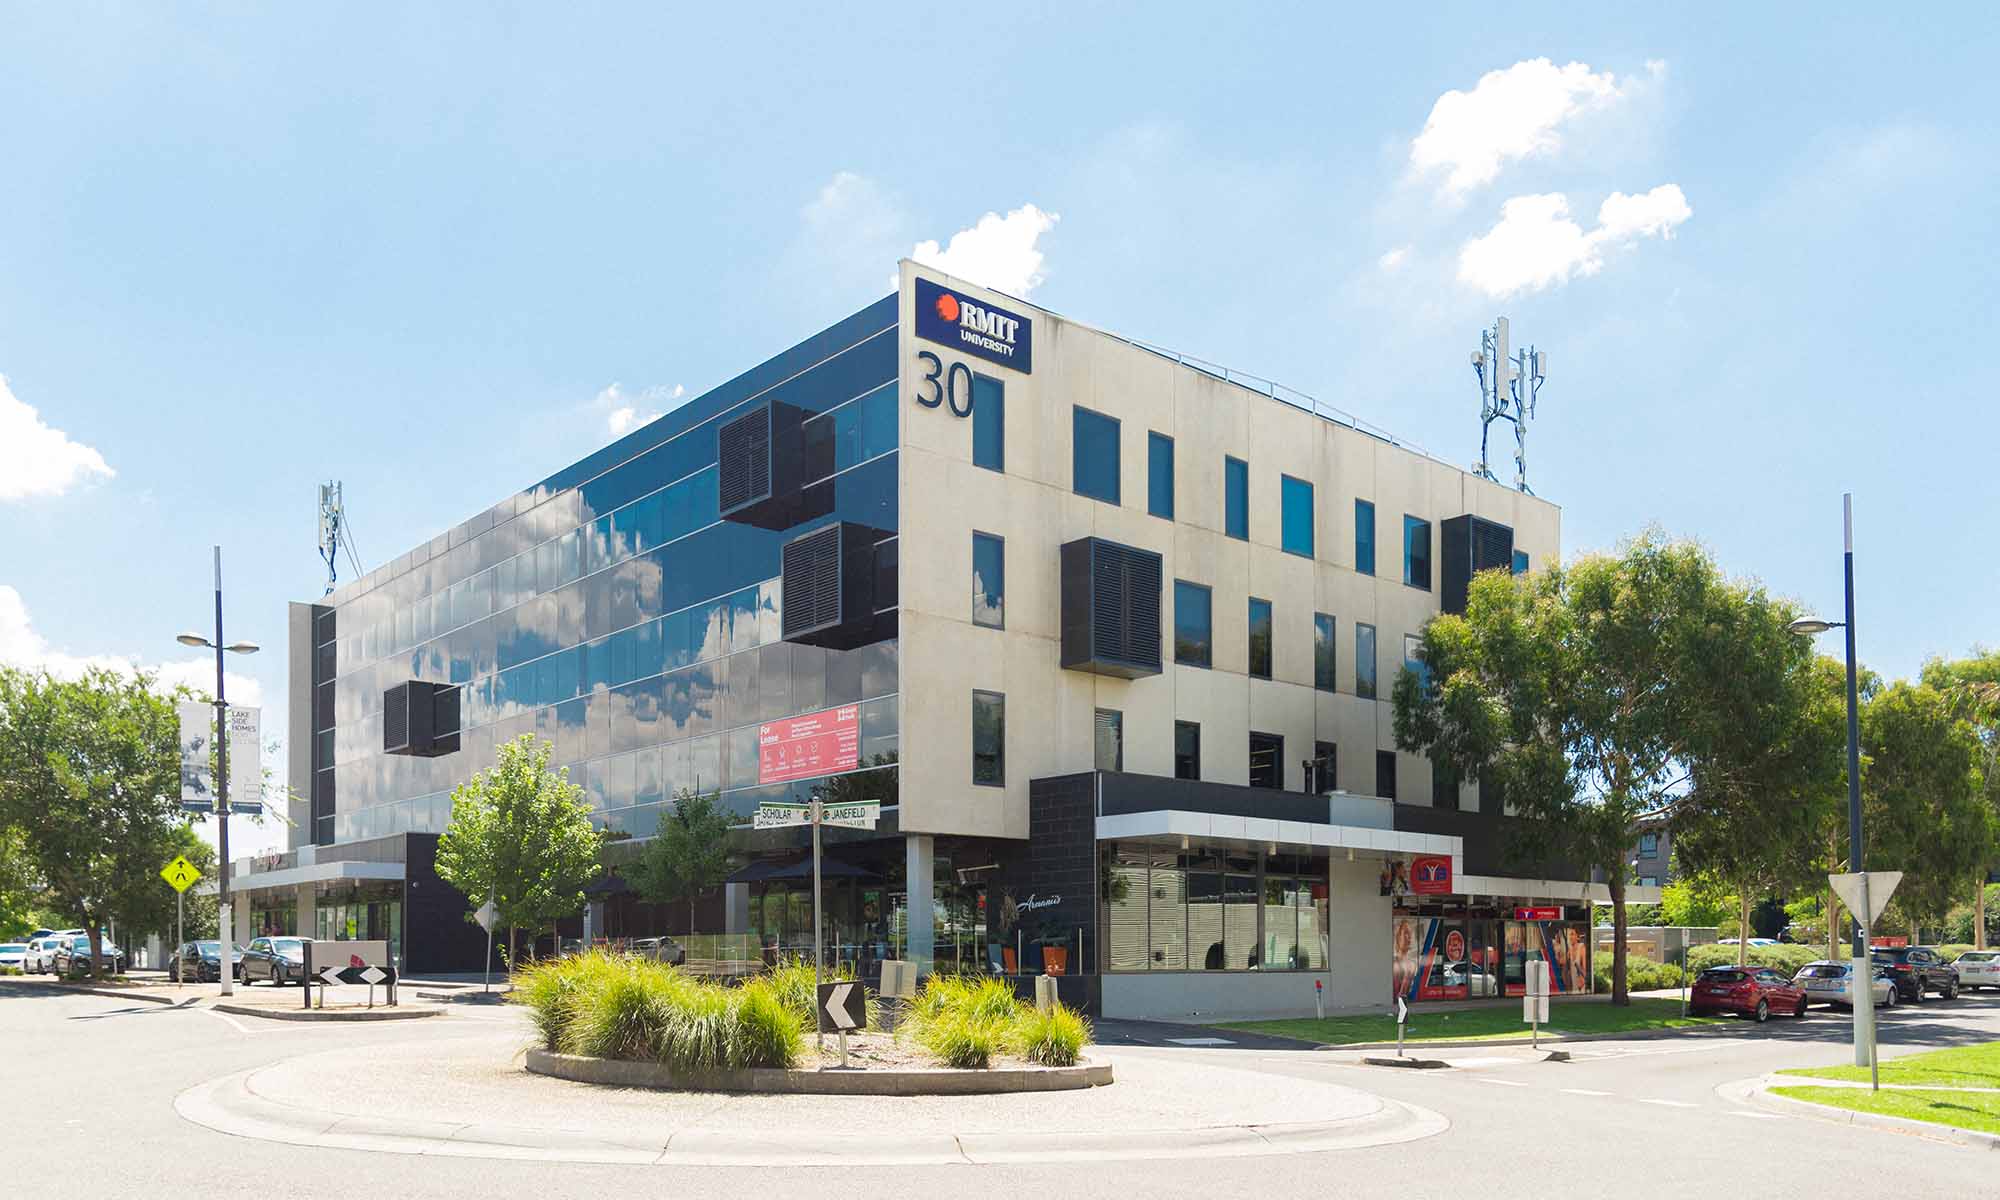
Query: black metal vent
[828, 584]
[420, 719]
[1471, 545]
[759, 466]
[1110, 608]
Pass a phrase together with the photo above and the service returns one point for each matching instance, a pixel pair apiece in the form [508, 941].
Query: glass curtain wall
[1164, 909]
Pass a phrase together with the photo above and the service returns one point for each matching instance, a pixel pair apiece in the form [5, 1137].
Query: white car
[1978, 969]
[13, 954]
[41, 956]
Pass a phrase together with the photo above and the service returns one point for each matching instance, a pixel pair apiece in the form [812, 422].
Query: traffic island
[827, 1081]
[401, 1012]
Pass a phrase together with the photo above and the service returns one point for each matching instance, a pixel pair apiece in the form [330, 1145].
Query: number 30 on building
[945, 386]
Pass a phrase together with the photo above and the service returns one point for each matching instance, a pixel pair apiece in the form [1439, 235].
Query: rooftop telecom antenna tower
[1508, 385]
[334, 535]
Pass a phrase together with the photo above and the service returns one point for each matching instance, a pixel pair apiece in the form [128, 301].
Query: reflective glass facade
[611, 611]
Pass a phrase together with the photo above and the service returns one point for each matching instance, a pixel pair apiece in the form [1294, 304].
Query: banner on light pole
[197, 742]
[246, 758]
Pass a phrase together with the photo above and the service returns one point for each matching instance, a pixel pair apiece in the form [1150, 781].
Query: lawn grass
[1498, 1024]
[1967, 1110]
[1963, 1066]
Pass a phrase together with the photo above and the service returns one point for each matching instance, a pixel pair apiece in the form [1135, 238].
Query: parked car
[1978, 969]
[664, 949]
[73, 956]
[1916, 970]
[1752, 991]
[13, 954]
[41, 956]
[200, 962]
[1829, 981]
[281, 960]
[1755, 941]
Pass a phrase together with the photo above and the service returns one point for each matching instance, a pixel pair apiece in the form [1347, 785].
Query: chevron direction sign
[843, 1006]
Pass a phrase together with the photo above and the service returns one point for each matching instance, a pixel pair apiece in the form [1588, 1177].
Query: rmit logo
[969, 316]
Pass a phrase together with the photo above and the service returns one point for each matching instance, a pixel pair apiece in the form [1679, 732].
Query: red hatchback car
[1751, 991]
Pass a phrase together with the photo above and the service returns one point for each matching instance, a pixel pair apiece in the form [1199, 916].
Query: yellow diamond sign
[181, 873]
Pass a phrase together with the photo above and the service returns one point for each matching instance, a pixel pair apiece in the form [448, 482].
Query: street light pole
[225, 930]
[1864, 974]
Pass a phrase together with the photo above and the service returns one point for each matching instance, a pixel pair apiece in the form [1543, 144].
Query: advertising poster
[1561, 944]
[197, 737]
[803, 747]
[246, 756]
[1424, 968]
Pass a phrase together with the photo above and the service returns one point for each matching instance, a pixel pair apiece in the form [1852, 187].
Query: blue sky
[434, 255]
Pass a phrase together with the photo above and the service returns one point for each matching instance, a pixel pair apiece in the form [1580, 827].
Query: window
[1412, 649]
[989, 423]
[1364, 661]
[1193, 643]
[1649, 881]
[1520, 562]
[1385, 774]
[1160, 475]
[1236, 498]
[1260, 638]
[1444, 786]
[989, 739]
[1649, 845]
[1187, 750]
[989, 581]
[1094, 456]
[1296, 508]
[1326, 768]
[1364, 536]
[1267, 761]
[1417, 552]
[1110, 740]
[1323, 653]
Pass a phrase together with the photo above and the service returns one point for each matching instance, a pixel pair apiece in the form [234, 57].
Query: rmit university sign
[979, 329]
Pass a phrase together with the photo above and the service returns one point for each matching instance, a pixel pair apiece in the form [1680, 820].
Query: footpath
[264, 1000]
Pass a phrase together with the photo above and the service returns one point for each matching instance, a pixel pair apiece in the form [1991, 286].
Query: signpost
[347, 962]
[842, 1006]
[1535, 1001]
[1866, 894]
[1402, 1019]
[486, 916]
[816, 813]
[180, 875]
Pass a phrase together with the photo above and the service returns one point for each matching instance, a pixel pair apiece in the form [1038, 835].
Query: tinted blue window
[1417, 552]
[1364, 661]
[1297, 509]
[1194, 642]
[989, 423]
[989, 581]
[1236, 498]
[1520, 562]
[1260, 638]
[1094, 456]
[1364, 536]
[1323, 652]
[1160, 475]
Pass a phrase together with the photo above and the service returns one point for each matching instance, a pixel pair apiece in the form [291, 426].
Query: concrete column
[735, 908]
[308, 920]
[919, 851]
[593, 922]
[239, 904]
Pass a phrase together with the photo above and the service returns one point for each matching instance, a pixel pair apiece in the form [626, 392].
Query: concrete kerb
[383, 1013]
[1758, 1091]
[872, 1082]
[129, 993]
[229, 1105]
[1637, 1035]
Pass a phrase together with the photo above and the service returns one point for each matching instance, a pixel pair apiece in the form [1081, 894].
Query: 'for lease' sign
[819, 743]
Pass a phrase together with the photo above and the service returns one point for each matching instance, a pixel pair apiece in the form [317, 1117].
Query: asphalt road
[90, 1082]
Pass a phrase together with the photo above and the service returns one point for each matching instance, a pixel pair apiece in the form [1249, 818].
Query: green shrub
[1951, 950]
[768, 1031]
[626, 1013]
[1641, 974]
[700, 1032]
[792, 981]
[1055, 1038]
[551, 990]
[608, 1006]
[965, 1040]
[1786, 957]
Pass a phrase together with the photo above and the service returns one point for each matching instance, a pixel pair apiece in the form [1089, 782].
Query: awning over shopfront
[1218, 829]
[829, 868]
[326, 872]
[1551, 889]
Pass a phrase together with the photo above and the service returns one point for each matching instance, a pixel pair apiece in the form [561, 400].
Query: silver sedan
[1832, 982]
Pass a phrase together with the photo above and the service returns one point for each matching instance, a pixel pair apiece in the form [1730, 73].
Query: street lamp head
[192, 639]
[244, 648]
[1810, 626]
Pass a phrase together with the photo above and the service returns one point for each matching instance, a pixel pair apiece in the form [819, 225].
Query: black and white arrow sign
[842, 1007]
[337, 975]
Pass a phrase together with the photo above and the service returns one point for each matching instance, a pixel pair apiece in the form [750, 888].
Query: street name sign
[842, 1006]
[180, 873]
[780, 816]
[1881, 886]
[861, 815]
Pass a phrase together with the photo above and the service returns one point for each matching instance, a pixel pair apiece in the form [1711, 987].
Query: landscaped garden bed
[601, 1018]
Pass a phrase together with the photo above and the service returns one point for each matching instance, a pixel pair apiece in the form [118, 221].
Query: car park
[661, 949]
[1916, 970]
[281, 960]
[1754, 992]
[1830, 981]
[13, 954]
[73, 957]
[1978, 969]
[200, 962]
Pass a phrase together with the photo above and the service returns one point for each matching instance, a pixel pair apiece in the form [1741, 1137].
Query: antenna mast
[1508, 386]
[333, 534]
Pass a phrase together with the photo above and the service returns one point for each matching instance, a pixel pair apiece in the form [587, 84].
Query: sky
[437, 254]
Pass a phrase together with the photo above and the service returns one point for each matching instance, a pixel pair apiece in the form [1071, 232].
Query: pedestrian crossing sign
[181, 873]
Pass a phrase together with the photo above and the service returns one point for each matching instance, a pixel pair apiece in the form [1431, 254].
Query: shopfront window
[1165, 909]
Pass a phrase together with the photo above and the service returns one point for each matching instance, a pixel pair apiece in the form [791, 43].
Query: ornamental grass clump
[768, 1033]
[1053, 1038]
[964, 1021]
[606, 1006]
[551, 990]
[627, 1013]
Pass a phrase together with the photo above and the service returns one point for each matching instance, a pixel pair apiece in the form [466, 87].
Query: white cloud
[1538, 245]
[625, 411]
[36, 460]
[1511, 114]
[1392, 259]
[21, 646]
[997, 252]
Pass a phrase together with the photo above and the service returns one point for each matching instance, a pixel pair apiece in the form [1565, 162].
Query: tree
[688, 856]
[1566, 687]
[1698, 900]
[148, 904]
[1921, 799]
[90, 775]
[1972, 685]
[521, 834]
[20, 889]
